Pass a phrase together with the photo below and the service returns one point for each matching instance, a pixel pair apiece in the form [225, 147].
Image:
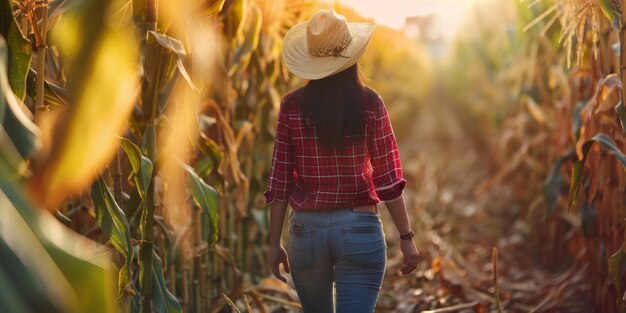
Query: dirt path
[445, 161]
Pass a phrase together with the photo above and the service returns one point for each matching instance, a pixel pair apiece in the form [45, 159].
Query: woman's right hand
[278, 255]
[410, 256]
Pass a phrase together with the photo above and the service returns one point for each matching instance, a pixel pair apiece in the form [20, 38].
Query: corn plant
[127, 214]
[153, 138]
[560, 96]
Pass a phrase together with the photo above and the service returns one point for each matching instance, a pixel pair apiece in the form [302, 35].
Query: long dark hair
[335, 106]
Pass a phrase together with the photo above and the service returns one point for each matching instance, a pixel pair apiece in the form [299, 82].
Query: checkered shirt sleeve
[385, 157]
[281, 176]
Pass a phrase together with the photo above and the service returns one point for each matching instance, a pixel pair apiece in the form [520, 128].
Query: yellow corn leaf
[537, 112]
[103, 88]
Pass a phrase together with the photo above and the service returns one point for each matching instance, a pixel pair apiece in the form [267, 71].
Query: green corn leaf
[161, 62]
[112, 220]
[554, 183]
[23, 133]
[617, 267]
[589, 219]
[574, 187]
[242, 54]
[577, 120]
[607, 144]
[612, 9]
[176, 47]
[205, 197]
[142, 167]
[25, 287]
[19, 49]
[204, 166]
[210, 148]
[164, 301]
[168, 248]
[132, 207]
[28, 286]
[57, 270]
[54, 95]
[235, 14]
[12, 165]
[214, 8]
[621, 113]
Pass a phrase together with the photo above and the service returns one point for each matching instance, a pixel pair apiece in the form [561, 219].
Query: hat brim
[300, 62]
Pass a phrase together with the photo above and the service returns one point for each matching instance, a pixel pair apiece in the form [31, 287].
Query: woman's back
[335, 157]
[364, 169]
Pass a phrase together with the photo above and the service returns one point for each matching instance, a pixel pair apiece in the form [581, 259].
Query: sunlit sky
[392, 13]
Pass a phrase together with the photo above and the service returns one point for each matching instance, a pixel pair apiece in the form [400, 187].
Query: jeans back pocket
[364, 243]
[301, 245]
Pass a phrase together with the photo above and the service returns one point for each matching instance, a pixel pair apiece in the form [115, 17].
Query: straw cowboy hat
[325, 45]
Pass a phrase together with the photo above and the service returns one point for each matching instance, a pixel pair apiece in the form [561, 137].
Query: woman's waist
[370, 207]
[302, 200]
[336, 216]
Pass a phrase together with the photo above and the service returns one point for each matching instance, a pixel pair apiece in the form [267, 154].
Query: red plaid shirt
[366, 171]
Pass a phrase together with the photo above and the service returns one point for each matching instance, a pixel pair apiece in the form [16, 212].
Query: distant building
[419, 27]
[422, 28]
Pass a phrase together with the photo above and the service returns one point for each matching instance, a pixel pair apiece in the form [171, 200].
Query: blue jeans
[340, 246]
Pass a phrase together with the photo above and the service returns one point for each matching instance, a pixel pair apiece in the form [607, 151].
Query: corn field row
[145, 127]
[557, 126]
[137, 134]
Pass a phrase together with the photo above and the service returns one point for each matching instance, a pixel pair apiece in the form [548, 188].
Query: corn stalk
[622, 46]
[147, 217]
[239, 107]
[41, 107]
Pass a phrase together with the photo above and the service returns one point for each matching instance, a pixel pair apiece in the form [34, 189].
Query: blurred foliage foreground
[136, 142]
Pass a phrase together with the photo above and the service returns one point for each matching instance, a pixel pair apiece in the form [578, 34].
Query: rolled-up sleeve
[281, 174]
[384, 156]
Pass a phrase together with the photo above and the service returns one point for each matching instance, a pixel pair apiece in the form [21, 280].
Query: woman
[335, 158]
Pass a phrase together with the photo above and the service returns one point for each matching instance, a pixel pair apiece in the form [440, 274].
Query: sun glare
[447, 14]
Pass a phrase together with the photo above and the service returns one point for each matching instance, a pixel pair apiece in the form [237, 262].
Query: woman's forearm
[398, 213]
[277, 217]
